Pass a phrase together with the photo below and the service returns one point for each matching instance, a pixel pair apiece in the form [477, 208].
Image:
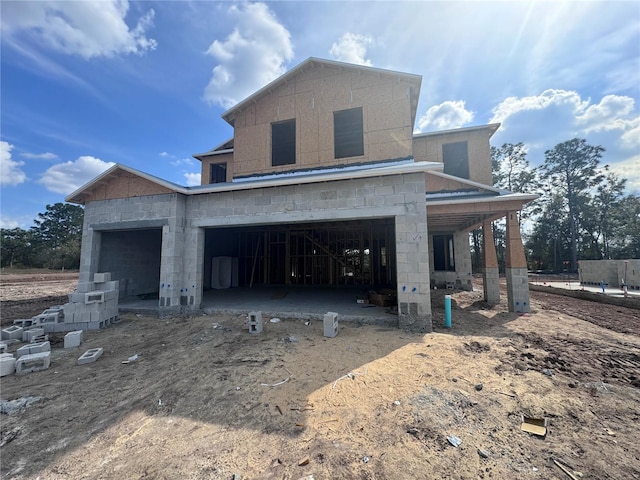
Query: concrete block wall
[115, 219]
[592, 272]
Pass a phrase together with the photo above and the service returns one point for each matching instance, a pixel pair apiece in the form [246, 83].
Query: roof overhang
[490, 127]
[466, 214]
[320, 177]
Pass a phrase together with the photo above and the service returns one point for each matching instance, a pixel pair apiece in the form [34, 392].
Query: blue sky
[87, 84]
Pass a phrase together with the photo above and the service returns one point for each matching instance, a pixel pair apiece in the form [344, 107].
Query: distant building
[592, 272]
[324, 183]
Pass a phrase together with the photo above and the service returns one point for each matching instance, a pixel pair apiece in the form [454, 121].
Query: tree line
[53, 241]
[583, 212]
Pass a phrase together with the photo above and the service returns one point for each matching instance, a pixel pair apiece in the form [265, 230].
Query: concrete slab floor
[286, 302]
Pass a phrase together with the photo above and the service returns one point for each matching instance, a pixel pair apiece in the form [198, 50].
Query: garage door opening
[133, 258]
[356, 253]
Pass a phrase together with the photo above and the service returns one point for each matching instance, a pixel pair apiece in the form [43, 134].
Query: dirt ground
[205, 399]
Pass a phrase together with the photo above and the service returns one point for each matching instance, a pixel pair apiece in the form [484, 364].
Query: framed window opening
[455, 157]
[218, 173]
[443, 254]
[348, 133]
[283, 143]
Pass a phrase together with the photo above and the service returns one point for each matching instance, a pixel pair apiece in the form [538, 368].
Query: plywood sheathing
[429, 149]
[123, 185]
[311, 97]
[515, 250]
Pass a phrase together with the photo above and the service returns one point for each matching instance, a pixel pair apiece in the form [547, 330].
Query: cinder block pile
[92, 306]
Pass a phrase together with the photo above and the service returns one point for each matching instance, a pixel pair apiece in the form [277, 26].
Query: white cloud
[629, 169]
[165, 154]
[352, 48]
[542, 121]
[251, 56]
[69, 176]
[192, 179]
[88, 28]
[447, 115]
[182, 161]
[11, 172]
[39, 156]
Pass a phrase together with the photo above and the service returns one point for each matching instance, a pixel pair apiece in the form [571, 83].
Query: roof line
[301, 67]
[470, 182]
[488, 126]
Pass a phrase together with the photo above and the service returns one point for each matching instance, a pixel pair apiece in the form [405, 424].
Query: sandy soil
[207, 400]
[27, 295]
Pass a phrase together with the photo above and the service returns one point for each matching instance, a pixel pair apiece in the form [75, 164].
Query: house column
[412, 259]
[490, 273]
[171, 262]
[462, 255]
[516, 267]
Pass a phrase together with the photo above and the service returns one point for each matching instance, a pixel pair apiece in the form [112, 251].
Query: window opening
[348, 133]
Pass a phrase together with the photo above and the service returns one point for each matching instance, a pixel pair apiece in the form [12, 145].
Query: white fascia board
[525, 197]
[415, 167]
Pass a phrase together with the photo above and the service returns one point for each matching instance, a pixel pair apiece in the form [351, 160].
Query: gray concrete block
[95, 296]
[76, 297]
[73, 339]
[13, 332]
[34, 362]
[102, 277]
[33, 348]
[30, 334]
[330, 324]
[255, 322]
[7, 364]
[84, 287]
[3, 347]
[90, 356]
[104, 286]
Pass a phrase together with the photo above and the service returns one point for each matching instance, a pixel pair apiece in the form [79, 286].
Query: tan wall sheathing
[429, 149]
[124, 185]
[311, 97]
[434, 183]
[208, 161]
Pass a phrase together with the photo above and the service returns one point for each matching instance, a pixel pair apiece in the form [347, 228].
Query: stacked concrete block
[330, 324]
[73, 339]
[13, 332]
[33, 348]
[34, 362]
[32, 333]
[7, 364]
[92, 306]
[255, 322]
[90, 356]
[101, 277]
[3, 347]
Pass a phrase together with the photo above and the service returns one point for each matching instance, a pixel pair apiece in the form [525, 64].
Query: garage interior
[324, 254]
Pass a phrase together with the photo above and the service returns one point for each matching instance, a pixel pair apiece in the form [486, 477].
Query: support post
[516, 267]
[490, 273]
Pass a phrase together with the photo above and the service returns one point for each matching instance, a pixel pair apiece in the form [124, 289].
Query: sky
[84, 85]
